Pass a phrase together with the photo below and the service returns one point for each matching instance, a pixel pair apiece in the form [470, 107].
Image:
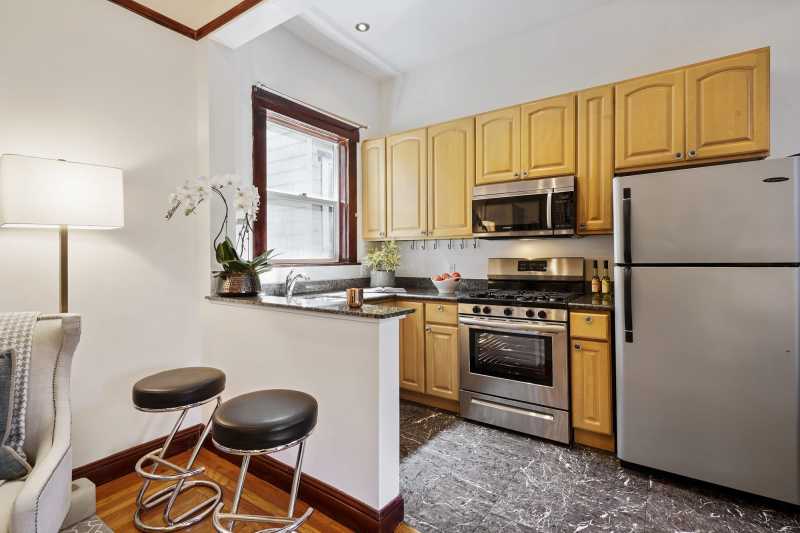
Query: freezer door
[715, 214]
[708, 385]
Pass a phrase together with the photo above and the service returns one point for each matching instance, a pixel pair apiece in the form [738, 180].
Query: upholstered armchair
[39, 503]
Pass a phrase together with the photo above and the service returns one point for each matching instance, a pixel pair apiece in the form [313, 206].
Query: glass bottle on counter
[595, 278]
[605, 281]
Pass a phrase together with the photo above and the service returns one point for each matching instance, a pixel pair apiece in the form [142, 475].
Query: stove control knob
[529, 313]
[476, 309]
[487, 310]
[542, 314]
[508, 311]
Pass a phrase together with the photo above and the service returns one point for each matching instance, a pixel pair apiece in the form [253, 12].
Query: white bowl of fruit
[446, 283]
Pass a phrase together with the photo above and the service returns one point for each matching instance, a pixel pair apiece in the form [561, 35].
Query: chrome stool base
[181, 476]
[286, 523]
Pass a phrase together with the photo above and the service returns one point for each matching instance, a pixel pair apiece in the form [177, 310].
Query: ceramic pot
[381, 278]
[238, 284]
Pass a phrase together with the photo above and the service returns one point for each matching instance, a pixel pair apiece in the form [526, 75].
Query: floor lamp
[53, 193]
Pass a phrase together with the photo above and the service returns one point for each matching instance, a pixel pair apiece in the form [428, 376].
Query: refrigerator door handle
[628, 274]
[626, 225]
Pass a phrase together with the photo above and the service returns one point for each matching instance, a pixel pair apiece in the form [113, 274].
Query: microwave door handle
[550, 210]
[626, 225]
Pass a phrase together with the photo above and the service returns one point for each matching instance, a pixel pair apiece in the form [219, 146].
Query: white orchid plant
[246, 201]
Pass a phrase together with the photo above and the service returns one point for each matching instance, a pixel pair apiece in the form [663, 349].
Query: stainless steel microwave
[542, 207]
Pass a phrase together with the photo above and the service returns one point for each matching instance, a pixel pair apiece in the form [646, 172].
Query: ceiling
[192, 13]
[407, 34]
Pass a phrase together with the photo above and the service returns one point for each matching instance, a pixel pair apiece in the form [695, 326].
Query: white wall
[291, 66]
[614, 41]
[89, 81]
[356, 444]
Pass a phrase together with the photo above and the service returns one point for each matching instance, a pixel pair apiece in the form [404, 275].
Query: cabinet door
[441, 361]
[412, 348]
[497, 146]
[451, 173]
[548, 137]
[649, 120]
[595, 160]
[373, 185]
[407, 184]
[727, 106]
[591, 386]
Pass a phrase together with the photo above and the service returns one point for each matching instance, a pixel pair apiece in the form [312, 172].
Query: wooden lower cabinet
[592, 385]
[429, 370]
[441, 361]
[412, 348]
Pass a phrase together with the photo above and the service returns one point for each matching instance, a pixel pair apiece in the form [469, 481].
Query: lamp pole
[63, 237]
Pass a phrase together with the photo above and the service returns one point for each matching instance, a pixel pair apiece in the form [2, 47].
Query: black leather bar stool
[260, 423]
[175, 390]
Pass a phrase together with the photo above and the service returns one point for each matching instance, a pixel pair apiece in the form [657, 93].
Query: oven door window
[515, 356]
[515, 213]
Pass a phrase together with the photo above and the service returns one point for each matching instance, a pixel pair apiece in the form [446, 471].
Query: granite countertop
[321, 303]
[591, 302]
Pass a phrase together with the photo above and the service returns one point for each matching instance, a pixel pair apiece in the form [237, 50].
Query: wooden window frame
[313, 122]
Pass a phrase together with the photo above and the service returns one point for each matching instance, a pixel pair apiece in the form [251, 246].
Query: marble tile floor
[457, 476]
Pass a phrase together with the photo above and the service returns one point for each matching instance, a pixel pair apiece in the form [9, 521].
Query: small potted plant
[383, 262]
[239, 276]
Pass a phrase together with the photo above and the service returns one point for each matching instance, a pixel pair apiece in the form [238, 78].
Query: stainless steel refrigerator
[707, 282]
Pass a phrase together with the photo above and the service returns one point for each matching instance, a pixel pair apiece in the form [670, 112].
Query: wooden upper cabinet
[592, 404]
[497, 145]
[441, 360]
[595, 170]
[548, 137]
[451, 173]
[407, 184]
[373, 169]
[727, 106]
[649, 116]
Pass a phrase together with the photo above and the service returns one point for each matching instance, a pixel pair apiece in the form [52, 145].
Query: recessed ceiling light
[362, 27]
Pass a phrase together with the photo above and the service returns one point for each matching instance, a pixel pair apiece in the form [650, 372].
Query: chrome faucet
[291, 281]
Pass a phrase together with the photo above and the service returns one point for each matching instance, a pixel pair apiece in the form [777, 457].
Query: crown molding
[183, 29]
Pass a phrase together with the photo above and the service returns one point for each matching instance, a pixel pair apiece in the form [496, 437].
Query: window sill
[313, 264]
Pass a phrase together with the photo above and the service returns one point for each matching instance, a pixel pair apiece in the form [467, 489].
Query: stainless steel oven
[514, 370]
[530, 208]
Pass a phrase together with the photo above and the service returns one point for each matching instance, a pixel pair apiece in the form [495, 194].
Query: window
[304, 168]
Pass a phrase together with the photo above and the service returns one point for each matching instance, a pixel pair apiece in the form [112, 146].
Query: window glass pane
[302, 194]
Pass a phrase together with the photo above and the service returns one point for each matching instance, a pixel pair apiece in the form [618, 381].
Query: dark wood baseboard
[121, 463]
[329, 500]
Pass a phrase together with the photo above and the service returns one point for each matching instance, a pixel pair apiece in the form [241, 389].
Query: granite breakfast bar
[345, 358]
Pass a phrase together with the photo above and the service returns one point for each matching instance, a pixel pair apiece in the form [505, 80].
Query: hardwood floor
[116, 500]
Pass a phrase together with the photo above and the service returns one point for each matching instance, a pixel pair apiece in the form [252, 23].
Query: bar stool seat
[264, 420]
[260, 423]
[178, 388]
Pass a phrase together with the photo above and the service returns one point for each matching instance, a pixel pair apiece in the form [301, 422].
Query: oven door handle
[550, 210]
[504, 326]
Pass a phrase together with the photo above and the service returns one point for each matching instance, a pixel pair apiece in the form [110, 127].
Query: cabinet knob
[679, 155]
[428, 329]
[588, 319]
[440, 307]
[525, 173]
[577, 346]
[516, 174]
[692, 153]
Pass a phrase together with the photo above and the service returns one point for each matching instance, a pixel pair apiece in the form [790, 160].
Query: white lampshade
[36, 192]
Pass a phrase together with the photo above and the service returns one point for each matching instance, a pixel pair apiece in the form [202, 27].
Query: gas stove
[513, 346]
[520, 296]
[520, 288]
